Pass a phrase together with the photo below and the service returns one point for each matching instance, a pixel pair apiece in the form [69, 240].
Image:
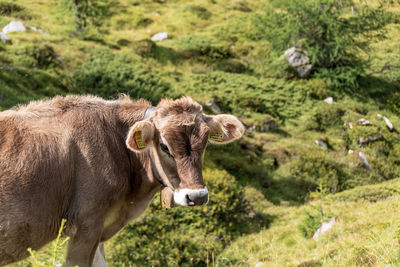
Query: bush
[107, 74]
[196, 45]
[44, 56]
[9, 8]
[315, 170]
[313, 217]
[186, 236]
[332, 35]
[324, 116]
[370, 193]
[245, 95]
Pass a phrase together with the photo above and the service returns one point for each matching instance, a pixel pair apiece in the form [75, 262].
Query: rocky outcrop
[159, 36]
[14, 26]
[325, 227]
[299, 60]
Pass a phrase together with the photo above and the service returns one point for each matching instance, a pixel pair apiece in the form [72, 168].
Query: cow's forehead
[195, 127]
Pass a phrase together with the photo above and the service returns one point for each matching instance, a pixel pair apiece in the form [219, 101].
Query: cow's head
[176, 135]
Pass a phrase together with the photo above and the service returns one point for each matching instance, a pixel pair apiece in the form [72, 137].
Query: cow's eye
[164, 148]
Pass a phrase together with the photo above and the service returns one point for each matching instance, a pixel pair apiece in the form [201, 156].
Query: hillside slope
[272, 189]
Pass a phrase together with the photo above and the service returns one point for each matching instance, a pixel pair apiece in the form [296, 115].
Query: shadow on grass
[18, 85]
[247, 167]
[377, 89]
[228, 63]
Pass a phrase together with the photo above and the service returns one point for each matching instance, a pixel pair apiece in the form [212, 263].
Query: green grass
[216, 52]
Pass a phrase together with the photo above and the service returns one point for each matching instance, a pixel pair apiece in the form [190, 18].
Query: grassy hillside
[272, 189]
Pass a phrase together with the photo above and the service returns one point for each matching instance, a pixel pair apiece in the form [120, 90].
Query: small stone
[4, 38]
[35, 29]
[388, 124]
[14, 26]
[329, 100]
[366, 164]
[148, 30]
[259, 264]
[321, 143]
[296, 57]
[157, 14]
[325, 227]
[369, 139]
[304, 70]
[350, 125]
[212, 105]
[364, 122]
[362, 157]
[379, 115]
[160, 36]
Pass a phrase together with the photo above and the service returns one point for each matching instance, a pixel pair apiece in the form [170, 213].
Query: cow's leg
[82, 247]
[99, 257]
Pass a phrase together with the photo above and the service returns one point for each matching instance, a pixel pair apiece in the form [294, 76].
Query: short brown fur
[67, 158]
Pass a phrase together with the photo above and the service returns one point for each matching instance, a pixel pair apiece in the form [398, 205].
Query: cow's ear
[224, 128]
[140, 136]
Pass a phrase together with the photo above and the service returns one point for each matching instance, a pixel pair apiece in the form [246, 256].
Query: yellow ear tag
[218, 137]
[139, 142]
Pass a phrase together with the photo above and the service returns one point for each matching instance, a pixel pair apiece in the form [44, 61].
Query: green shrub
[370, 193]
[315, 170]
[107, 74]
[44, 56]
[245, 95]
[145, 48]
[186, 236]
[9, 8]
[324, 116]
[313, 217]
[332, 35]
[18, 85]
[394, 103]
[199, 45]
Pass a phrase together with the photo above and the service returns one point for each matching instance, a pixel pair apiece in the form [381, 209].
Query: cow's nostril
[189, 201]
[197, 198]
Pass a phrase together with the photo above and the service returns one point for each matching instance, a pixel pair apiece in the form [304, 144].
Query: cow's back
[35, 177]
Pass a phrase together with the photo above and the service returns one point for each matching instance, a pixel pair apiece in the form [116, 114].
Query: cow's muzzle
[191, 197]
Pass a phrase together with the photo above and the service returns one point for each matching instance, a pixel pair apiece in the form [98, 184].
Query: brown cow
[98, 164]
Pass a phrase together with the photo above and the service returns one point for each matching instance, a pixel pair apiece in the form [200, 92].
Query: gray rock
[213, 106]
[296, 57]
[159, 36]
[266, 126]
[36, 29]
[4, 38]
[321, 143]
[329, 100]
[388, 123]
[299, 60]
[364, 122]
[259, 264]
[368, 139]
[14, 26]
[325, 227]
[305, 70]
[362, 157]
